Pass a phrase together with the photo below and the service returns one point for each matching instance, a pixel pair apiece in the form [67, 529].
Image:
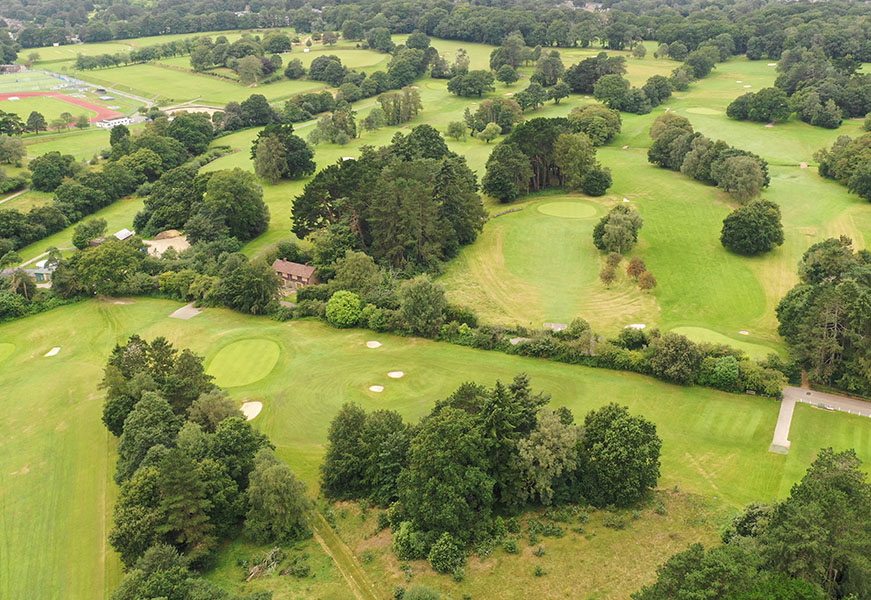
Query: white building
[110, 123]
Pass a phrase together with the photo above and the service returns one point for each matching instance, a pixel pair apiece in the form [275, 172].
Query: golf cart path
[791, 395]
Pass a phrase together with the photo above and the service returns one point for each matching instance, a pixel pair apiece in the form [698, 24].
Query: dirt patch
[802, 165]
[156, 247]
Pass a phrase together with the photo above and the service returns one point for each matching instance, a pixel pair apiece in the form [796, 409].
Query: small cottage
[294, 275]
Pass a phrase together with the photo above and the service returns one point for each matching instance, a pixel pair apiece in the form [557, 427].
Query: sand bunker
[376, 388]
[251, 409]
[373, 344]
[802, 165]
[637, 325]
[739, 81]
[744, 332]
[772, 64]
[53, 351]
[396, 374]
[747, 86]
[188, 311]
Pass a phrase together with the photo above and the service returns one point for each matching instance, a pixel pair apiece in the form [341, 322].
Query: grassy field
[51, 108]
[29, 81]
[28, 200]
[55, 468]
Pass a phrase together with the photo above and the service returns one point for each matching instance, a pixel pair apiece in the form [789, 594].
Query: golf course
[534, 262]
[57, 464]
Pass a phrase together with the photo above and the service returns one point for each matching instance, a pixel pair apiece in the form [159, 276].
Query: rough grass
[55, 468]
[589, 561]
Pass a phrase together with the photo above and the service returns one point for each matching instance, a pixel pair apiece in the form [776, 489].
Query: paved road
[791, 395]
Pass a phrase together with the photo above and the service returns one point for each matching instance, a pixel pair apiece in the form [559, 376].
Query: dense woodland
[192, 472]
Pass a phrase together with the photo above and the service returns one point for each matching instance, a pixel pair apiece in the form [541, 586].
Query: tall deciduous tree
[277, 503]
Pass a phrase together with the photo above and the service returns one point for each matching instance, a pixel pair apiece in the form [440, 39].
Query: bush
[446, 555]
[539, 571]
[614, 521]
[343, 309]
[408, 543]
[298, 566]
[510, 546]
[596, 181]
[421, 592]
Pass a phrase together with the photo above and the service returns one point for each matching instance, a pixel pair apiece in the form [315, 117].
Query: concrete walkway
[791, 395]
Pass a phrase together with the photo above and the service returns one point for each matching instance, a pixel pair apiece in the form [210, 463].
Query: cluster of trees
[137, 55]
[615, 92]
[753, 229]
[811, 546]
[849, 163]
[278, 153]
[823, 90]
[191, 471]
[766, 105]
[618, 230]
[825, 319]
[79, 191]
[247, 55]
[410, 205]
[677, 147]
[479, 452]
[541, 153]
[255, 111]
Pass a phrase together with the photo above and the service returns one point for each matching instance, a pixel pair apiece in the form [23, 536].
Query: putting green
[568, 210]
[703, 111]
[700, 334]
[243, 362]
[6, 350]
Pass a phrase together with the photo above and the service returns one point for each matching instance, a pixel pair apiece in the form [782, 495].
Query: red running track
[102, 112]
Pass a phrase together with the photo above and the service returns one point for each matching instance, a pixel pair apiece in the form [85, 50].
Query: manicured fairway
[699, 334]
[56, 464]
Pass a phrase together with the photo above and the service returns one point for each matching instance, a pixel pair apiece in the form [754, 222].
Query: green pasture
[51, 108]
[55, 470]
[83, 144]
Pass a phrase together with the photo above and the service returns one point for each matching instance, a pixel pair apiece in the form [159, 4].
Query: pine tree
[184, 506]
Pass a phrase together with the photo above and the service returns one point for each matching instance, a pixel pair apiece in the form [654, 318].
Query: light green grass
[243, 362]
[169, 85]
[55, 468]
[28, 81]
[83, 144]
[51, 108]
[28, 200]
[736, 340]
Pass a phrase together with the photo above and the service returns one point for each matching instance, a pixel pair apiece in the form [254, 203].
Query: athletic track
[102, 111]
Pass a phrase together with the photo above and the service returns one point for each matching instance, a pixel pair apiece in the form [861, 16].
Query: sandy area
[251, 409]
[373, 344]
[188, 311]
[158, 247]
[396, 374]
[53, 351]
[376, 388]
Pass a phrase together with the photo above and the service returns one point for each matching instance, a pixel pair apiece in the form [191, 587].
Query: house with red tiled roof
[294, 275]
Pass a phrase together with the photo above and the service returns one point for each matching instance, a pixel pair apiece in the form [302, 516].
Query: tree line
[813, 545]
[481, 455]
[192, 471]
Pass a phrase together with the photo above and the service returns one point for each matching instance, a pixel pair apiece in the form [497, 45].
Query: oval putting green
[243, 362]
[700, 334]
[6, 350]
[568, 210]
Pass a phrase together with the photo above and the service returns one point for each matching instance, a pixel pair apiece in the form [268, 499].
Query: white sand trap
[769, 124]
[625, 199]
[53, 351]
[373, 344]
[637, 325]
[739, 81]
[802, 166]
[747, 86]
[744, 332]
[772, 64]
[396, 374]
[626, 147]
[251, 409]
[376, 388]
[188, 311]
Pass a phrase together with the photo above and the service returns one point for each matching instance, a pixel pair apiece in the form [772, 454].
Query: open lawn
[83, 144]
[29, 81]
[56, 464]
[27, 200]
[51, 108]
